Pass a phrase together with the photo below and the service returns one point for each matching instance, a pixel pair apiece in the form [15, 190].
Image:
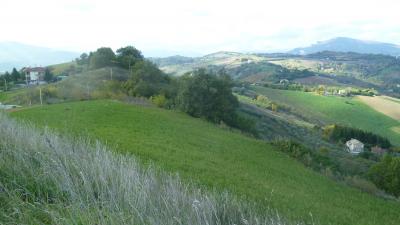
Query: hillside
[343, 44]
[48, 179]
[339, 69]
[81, 84]
[243, 67]
[330, 109]
[19, 55]
[216, 158]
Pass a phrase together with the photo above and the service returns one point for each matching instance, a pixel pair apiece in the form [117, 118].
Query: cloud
[195, 26]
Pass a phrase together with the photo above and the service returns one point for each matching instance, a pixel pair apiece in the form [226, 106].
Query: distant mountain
[171, 60]
[18, 55]
[343, 44]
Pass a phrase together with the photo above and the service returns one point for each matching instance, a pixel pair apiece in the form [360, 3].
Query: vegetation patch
[325, 110]
[45, 179]
[384, 105]
[218, 159]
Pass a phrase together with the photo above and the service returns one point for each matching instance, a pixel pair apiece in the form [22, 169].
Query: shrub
[386, 174]
[315, 160]
[159, 100]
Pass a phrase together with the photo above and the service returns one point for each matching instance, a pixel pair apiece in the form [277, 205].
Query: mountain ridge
[14, 54]
[345, 44]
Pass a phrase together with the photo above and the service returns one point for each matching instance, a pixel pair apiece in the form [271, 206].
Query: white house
[354, 146]
[34, 75]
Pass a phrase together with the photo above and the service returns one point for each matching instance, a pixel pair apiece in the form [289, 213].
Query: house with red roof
[33, 75]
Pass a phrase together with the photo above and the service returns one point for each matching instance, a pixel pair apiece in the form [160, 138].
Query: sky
[195, 27]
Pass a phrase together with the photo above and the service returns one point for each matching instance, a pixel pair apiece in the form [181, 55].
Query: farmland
[384, 105]
[216, 158]
[331, 109]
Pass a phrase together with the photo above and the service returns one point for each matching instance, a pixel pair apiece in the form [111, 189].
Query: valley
[268, 130]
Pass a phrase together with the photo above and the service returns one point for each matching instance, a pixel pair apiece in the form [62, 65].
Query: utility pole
[5, 84]
[111, 73]
[40, 94]
[88, 91]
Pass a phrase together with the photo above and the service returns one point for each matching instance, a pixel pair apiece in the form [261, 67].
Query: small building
[354, 146]
[33, 75]
[378, 150]
[284, 81]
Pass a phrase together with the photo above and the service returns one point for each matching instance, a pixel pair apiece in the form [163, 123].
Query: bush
[362, 184]
[147, 80]
[159, 100]
[386, 174]
[309, 158]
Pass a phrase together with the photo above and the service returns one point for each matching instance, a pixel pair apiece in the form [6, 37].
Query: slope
[218, 159]
[344, 44]
[331, 109]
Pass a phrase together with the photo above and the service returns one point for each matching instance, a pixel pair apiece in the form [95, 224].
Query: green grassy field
[332, 109]
[217, 158]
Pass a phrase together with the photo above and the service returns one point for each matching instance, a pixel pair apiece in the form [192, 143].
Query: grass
[93, 84]
[7, 97]
[45, 179]
[384, 105]
[217, 158]
[332, 109]
[63, 68]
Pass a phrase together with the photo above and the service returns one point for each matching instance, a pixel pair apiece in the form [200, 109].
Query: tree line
[342, 134]
[201, 93]
[18, 76]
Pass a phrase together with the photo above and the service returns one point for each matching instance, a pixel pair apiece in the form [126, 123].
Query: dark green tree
[101, 58]
[128, 56]
[7, 76]
[48, 76]
[15, 75]
[386, 174]
[147, 80]
[83, 59]
[207, 95]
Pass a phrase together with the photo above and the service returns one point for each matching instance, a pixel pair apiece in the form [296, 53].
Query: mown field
[384, 105]
[216, 158]
[332, 109]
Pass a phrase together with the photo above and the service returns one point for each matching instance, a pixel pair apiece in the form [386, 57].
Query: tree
[128, 56]
[101, 58]
[208, 95]
[15, 75]
[386, 174]
[7, 76]
[147, 80]
[48, 75]
[83, 59]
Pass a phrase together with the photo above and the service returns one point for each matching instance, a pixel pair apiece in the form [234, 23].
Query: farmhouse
[354, 146]
[34, 75]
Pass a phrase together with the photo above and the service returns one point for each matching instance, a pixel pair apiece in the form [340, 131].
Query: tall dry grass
[48, 179]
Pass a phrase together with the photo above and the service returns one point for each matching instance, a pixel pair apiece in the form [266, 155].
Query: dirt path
[384, 105]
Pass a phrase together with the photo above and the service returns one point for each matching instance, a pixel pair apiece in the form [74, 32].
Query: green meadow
[217, 158]
[332, 109]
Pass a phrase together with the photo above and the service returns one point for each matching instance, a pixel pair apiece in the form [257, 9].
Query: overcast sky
[188, 27]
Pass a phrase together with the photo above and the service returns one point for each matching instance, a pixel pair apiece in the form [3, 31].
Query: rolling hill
[216, 158]
[324, 110]
[344, 44]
